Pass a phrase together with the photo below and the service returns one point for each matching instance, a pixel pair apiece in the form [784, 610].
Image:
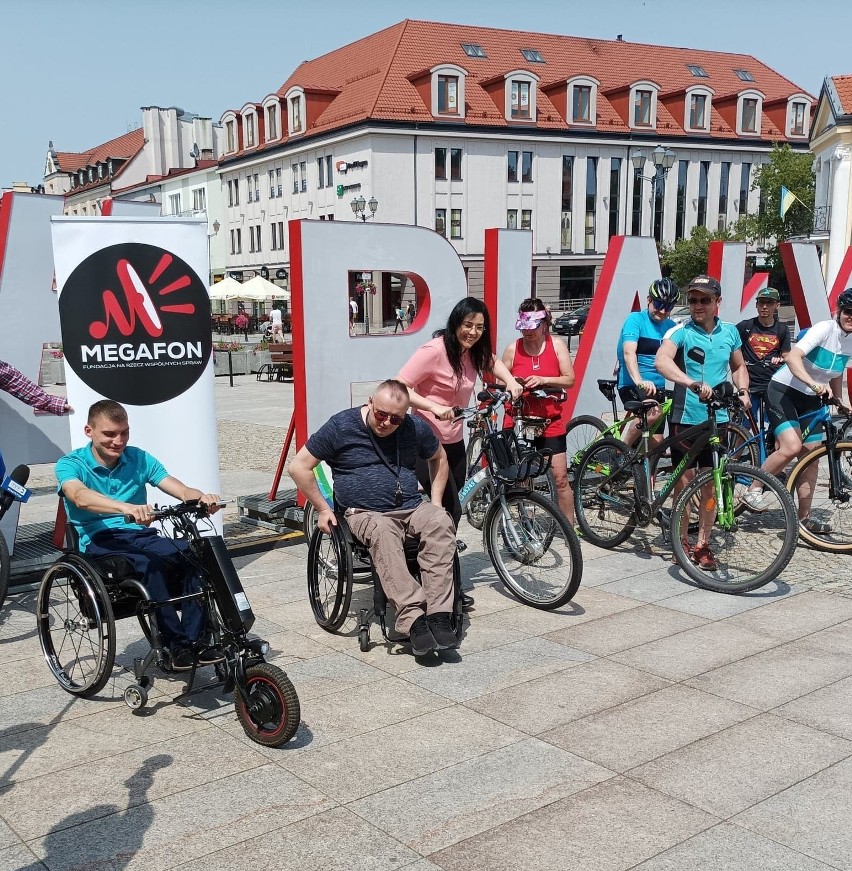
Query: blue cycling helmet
[665, 291]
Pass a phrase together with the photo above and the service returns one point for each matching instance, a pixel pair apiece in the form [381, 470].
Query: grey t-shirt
[361, 479]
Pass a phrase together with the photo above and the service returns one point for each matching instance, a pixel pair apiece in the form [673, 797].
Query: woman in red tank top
[541, 360]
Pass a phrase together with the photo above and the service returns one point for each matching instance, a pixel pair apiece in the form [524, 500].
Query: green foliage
[793, 170]
[688, 257]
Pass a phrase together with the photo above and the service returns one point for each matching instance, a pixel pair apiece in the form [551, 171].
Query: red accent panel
[300, 396]
[794, 280]
[491, 269]
[593, 322]
[424, 301]
[758, 280]
[714, 260]
[106, 207]
[842, 280]
[6, 201]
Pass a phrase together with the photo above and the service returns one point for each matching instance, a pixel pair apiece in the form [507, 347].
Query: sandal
[704, 559]
[816, 527]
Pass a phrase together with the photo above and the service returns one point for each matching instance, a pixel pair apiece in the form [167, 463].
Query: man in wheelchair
[103, 485]
[372, 452]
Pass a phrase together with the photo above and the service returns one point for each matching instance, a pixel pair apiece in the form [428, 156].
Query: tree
[688, 257]
[794, 171]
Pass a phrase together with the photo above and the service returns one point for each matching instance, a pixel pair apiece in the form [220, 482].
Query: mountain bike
[531, 545]
[616, 491]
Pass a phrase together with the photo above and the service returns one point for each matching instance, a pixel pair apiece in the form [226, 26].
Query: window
[724, 182]
[251, 240]
[199, 200]
[744, 75]
[455, 223]
[512, 166]
[591, 200]
[576, 283]
[304, 181]
[745, 182]
[233, 242]
[280, 235]
[703, 171]
[271, 122]
[448, 90]
[680, 214]
[273, 228]
[296, 114]
[230, 137]
[441, 221]
[567, 196]
[295, 178]
[698, 111]
[249, 128]
[581, 112]
[526, 165]
[456, 164]
[642, 109]
[749, 116]
[511, 219]
[271, 185]
[472, 49]
[526, 219]
[236, 191]
[698, 71]
[797, 119]
[636, 220]
[90, 173]
[614, 194]
[533, 55]
[329, 178]
[659, 194]
[100, 170]
[174, 204]
[278, 181]
[520, 104]
[239, 249]
[320, 172]
[441, 163]
[249, 189]
[258, 245]
[230, 193]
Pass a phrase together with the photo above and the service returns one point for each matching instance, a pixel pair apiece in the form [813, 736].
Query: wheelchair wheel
[330, 578]
[272, 715]
[5, 569]
[76, 627]
[457, 615]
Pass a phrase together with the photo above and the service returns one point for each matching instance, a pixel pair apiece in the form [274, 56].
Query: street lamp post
[215, 228]
[360, 206]
[663, 160]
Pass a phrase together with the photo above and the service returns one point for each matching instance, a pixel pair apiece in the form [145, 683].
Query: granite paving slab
[715, 606]
[828, 709]
[797, 616]
[19, 858]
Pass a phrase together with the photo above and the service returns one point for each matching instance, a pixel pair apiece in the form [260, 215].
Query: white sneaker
[754, 500]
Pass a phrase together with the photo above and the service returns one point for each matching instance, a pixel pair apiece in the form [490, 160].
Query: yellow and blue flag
[787, 200]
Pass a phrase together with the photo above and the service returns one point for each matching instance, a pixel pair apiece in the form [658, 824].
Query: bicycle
[531, 545]
[12, 489]
[616, 492]
[527, 428]
[824, 477]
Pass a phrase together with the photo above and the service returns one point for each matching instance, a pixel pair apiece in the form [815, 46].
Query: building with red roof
[460, 128]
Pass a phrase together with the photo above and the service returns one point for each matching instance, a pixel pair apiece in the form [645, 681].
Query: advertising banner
[135, 318]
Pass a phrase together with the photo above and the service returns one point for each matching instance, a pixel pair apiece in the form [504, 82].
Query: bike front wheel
[579, 435]
[750, 547]
[478, 505]
[604, 494]
[533, 549]
[828, 525]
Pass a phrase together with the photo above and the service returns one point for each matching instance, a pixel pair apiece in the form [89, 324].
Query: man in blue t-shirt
[373, 452]
[638, 344]
[717, 345]
[104, 488]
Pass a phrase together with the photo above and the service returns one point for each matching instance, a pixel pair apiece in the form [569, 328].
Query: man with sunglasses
[641, 337]
[814, 368]
[716, 347]
[372, 452]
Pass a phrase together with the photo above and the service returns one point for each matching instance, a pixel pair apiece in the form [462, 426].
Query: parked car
[571, 323]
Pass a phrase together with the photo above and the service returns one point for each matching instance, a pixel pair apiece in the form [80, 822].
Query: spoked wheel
[749, 549]
[533, 549]
[739, 443]
[476, 508]
[76, 626]
[329, 578]
[5, 569]
[579, 435]
[309, 520]
[829, 519]
[271, 717]
[604, 500]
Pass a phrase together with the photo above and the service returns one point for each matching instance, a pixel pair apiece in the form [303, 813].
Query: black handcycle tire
[280, 695]
[5, 569]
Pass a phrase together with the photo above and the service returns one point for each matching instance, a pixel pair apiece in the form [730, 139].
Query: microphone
[14, 487]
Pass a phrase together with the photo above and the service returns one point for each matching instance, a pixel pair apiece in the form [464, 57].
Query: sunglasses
[661, 306]
[382, 416]
[704, 300]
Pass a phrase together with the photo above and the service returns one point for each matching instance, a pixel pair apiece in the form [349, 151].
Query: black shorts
[680, 449]
[557, 443]
[788, 406]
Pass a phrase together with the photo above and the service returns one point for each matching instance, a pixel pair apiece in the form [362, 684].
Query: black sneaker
[442, 631]
[467, 601]
[422, 640]
[182, 658]
[210, 655]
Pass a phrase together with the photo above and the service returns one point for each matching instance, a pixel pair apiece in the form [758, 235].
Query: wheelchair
[339, 560]
[80, 598]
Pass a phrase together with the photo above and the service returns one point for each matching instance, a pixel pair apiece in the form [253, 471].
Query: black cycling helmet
[845, 299]
[665, 291]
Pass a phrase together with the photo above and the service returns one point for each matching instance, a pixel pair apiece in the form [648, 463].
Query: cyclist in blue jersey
[696, 356]
[638, 344]
[814, 368]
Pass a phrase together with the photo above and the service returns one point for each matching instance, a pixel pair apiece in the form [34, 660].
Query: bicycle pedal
[461, 547]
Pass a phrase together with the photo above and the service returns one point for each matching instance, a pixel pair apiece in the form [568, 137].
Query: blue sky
[77, 71]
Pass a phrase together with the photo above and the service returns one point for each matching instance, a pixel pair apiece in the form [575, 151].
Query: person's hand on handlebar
[141, 514]
[704, 391]
[515, 387]
[531, 382]
[326, 519]
[443, 412]
[647, 387]
[211, 500]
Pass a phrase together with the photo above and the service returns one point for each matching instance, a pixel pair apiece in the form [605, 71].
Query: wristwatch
[816, 388]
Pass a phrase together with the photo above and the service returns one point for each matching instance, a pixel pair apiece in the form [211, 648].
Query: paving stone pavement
[647, 724]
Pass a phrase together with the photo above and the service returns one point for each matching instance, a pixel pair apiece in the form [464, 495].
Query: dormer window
[295, 102]
[296, 114]
[100, 170]
[521, 96]
[749, 115]
[643, 104]
[249, 125]
[91, 176]
[230, 136]
[749, 111]
[272, 122]
[109, 167]
[582, 100]
[448, 90]
[797, 118]
[698, 109]
[82, 177]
